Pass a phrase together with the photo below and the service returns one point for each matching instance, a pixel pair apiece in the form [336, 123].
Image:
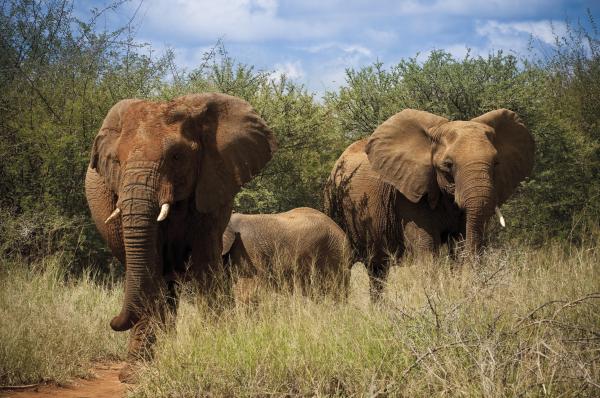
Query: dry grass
[522, 323]
[53, 327]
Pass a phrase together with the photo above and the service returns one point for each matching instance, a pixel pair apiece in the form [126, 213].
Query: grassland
[524, 322]
[53, 327]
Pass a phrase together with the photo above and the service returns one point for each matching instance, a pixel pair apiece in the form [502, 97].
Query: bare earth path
[106, 384]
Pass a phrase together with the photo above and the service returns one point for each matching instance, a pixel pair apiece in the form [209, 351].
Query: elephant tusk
[113, 216]
[164, 212]
[500, 217]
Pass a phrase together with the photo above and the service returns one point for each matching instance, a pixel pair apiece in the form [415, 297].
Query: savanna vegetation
[526, 322]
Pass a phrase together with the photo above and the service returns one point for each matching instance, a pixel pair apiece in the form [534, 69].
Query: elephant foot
[140, 349]
[129, 373]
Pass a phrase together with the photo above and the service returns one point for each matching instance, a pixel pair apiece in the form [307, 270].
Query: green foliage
[457, 89]
[60, 75]
[572, 108]
[558, 99]
[59, 78]
[308, 142]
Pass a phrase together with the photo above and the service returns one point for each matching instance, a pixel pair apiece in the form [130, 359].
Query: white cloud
[292, 70]
[356, 49]
[473, 7]
[459, 51]
[236, 20]
[515, 36]
[328, 70]
[542, 30]
[314, 41]
[382, 37]
[331, 47]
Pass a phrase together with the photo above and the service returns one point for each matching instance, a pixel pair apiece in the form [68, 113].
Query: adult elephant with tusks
[421, 180]
[160, 187]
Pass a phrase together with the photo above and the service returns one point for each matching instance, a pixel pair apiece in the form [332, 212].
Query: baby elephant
[301, 247]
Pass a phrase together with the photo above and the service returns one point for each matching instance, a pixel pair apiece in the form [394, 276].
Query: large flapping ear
[235, 145]
[104, 151]
[515, 148]
[400, 151]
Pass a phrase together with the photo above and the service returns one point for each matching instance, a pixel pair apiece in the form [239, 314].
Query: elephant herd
[163, 175]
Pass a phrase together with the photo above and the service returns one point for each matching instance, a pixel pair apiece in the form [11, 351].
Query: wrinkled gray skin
[301, 245]
[421, 180]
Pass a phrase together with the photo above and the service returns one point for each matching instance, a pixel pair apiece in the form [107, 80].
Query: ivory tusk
[500, 217]
[164, 212]
[113, 216]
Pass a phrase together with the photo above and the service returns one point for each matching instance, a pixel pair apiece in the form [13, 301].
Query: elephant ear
[400, 151]
[515, 148]
[235, 145]
[229, 237]
[104, 151]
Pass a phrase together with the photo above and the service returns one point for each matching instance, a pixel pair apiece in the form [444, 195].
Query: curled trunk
[139, 208]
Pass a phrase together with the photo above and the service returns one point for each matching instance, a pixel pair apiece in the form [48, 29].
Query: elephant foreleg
[420, 238]
[212, 279]
[142, 337]
[377, 277]
[172, 304]
[378, 270]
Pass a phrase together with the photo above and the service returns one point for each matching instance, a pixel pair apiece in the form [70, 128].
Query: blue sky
[313, 41]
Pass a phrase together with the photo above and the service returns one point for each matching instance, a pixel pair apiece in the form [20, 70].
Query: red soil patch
[105, 384]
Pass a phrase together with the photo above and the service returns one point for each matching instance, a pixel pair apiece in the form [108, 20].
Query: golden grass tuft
[53, 327]
[522, 323]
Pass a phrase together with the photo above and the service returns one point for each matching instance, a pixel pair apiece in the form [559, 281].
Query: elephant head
[197, 148]
[478, 162]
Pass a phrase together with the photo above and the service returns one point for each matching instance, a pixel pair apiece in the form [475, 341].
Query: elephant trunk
[139, 207]
[475, 193]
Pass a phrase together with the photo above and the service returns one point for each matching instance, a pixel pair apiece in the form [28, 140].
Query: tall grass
[522, 323]
[52, 327]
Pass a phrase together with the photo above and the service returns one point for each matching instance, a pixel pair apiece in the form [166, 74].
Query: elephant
[421, 180]
[300, 245]
[160, 187]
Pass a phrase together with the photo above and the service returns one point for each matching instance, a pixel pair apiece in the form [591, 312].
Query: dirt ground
[106, 384]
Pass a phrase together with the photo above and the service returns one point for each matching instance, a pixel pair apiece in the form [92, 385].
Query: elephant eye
[176, 156]
[447, 165]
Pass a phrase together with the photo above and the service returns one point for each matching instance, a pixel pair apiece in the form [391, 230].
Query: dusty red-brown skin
[192, 153]
[420, 180]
